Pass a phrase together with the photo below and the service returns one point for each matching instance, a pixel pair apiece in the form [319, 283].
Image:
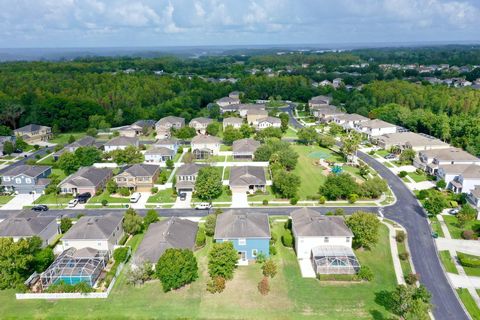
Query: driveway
[141, 203]
[185, 203]
[19, 201]
[239, 200]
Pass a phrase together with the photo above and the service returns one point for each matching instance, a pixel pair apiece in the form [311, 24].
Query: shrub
[274, 237]
[322, 200]
[339, 212]
[412, 278]
[422, 195]
[403, 256]
[468, 261]
[65, 224]
[120, 254]
[265, 202]
[400, 237]
[288, 224]
[352, 198]
[154, 190]
[201, 238]
[269, 268]
[402, 174]
[468, 234]
[372, 152]
[210, 223]
[287, 239]
[264, 286]
[124, 192]
[62, 287]
[104, 202]
[217, 284]
[273, 250]
[222, 260]
[365, 273]
[293, 201]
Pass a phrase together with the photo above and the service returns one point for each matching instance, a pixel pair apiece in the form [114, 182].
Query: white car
[203, 206]
[135, 197]
[72, 203]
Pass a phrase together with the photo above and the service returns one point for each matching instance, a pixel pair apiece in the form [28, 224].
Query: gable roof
[201, 120]
[122, 141]
[450, 154]
[351, 117]
[87, 177]
[203, 138]
[160, 236]
[320, 99]
[232, 120]
[237, 224]
[376, 124]
[247, 175]
[310, 223]
[471, 172]
[272, 120]
[83, 142]
[245, 146]
[142, 170]
[27, 170]
[163, 151]
[170, 120]
[144, 123]
[412, 139]
[189, 169]
[165, 142]
[94, 228]
[24, 225]
[30, 128]
[257, 112]
[228, 100]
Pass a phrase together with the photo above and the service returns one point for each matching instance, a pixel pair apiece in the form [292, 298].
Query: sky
[158, 23]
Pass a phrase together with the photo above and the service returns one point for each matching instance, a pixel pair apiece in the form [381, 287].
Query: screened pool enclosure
[334, 260]
[73, 266]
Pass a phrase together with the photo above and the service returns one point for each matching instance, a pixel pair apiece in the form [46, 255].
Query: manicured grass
[226, 173]
[474, 272]
[62, 138]
[355, 172]
[469, 303]
[269, 195]
[224, 147]
[382, 153]
[60, 173]
[105, 195]
[213, 159]
[436, 226]
[402, 248]
[53, 199]
[455, 230]
[176, 157]
[388, 164]
[163, 196]
[447, 261]
[224, 197]
[48, 161]
[5, 199]
[417, 177]
[290, 133]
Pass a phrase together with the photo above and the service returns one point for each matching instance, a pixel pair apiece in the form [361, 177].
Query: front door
[242, 255]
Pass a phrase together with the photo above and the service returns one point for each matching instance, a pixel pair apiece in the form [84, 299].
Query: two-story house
[200, 124]
[86, 141]
[245, 109]
[410, 140]
[460, 178]
[325, 113]
[319, 100]
[27, 225]
[86, 179]
[34, 133]
[139, 177]
[267, 122]
[348, 120]
[248, 231]
[140, 127]
[236, 123]
[227, 101]
[186, 176]
[431, 160]
[26, 179]
[254, 115]
[121, 143]
[204, 146]
[375, 128]
[164, 126]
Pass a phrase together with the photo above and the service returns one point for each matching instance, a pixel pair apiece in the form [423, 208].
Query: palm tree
[350, 144]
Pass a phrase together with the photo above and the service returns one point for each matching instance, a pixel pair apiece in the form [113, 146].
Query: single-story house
[375, 128]
[248, 231]
[325, 240]
[204, 146]
[34, 133]
[245, 148]
[186, 175]
[86, 179]
[27, 225]
[247, 179]
[431, 160]
[200, 124]
[86, 141]
[159, 155]
[121, 143]
[410, 140]
[267, 122]
[139, 177]
[173, 233]
[236, 123]
[26, 179]
[100, 232]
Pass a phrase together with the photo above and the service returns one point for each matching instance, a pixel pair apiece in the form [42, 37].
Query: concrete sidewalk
[394, 249]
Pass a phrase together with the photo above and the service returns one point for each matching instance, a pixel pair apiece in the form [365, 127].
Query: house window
[6, 179]
[347, 239]
[325, 239]
[18, 180]
[254, 253]
[242, 242]
[99, 244]
[28, 180]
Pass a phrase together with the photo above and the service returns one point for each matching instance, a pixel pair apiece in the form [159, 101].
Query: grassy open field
[291, 297]
[62, 138]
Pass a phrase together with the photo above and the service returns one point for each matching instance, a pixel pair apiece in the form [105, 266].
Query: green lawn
[290, 133]
[62, 138]
[53, 199]
[48, 161]
[5, 199]
[60, 173]
[213, 159]
[469, 303]
[456, 230]
[163, 196]
[382, 153]
[105, 195]
[406, 267]
[224, 197]
[418, 177]
[436, 226]
[269, 195]
[226, 173]
[388, 164]
[447, 261]
[224, 147]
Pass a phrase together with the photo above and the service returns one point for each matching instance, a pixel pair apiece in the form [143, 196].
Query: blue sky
[106, 23]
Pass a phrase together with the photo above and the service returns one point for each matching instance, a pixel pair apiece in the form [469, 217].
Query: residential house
[255, 114]
[410, 140]
[171, 143]
[120, 143]
[247, 179]
[86, 179]
[86, 141]
[431, 160]
[460, 178]
[245, 149]
[139, 177]
[375, 128]
[27, 225]
[25, 179]
[34, 133]
[200, 124]
[4, 139]
[245, 109]
[235, 94]
[267, 122]
[348, 120]
[319, 100]
[236, 123]
[131, 131]
[186, 176]
[100, 232]
[204, 146]
[248, 231]
[172, 233]
[227, 101]
[325, 113]
[474, 197]
[166, 124]
[323, 242]
[159, 155]
[336, 83]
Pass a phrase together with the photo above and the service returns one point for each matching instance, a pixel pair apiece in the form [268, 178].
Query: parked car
[390, 156]
[72, 203]
[83, 197]
[40, 207]
[135, 197]
[453, 211]
[203, 206]
[183, 196]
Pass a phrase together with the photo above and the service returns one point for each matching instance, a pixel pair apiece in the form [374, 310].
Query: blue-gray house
[249, 232]
[26, 179]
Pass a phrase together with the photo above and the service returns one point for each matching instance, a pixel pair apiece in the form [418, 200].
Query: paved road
[408, 212]
[293, 121]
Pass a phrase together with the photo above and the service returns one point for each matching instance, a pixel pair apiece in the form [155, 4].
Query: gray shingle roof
[188, 169]
[164, 142]
[246, 176]
[144, 123]
[122, 141]
[24, 225]
[88, 177]
[201, 120]
[450, 154]
[93, 228]
[203, 138]
[30, 128]
[245, 146]
[170, 120]
[269, 119]
[83, 142]
[237, 224]
[310, 223]
[28, 170]
[163, 151]
[160, 236]
[232, 120]
[142, 170]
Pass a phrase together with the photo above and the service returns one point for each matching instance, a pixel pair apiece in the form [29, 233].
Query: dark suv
[83, 197]
[40, 207]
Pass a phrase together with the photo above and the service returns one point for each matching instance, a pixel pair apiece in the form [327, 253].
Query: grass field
[290, 134]
[53, 199]
[5, 199]
[406, 267]
[436, 226]
[163, 196]
[474, 272]
[62, 138]
[469, 303]
[260, 197]
[447, 261]
[418, 177]
[224, 197]
[455, 230]
[48, 161]
[291, 297]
